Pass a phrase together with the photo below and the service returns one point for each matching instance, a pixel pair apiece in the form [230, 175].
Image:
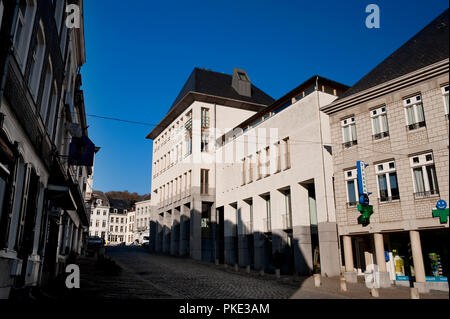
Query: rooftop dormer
[241, 82]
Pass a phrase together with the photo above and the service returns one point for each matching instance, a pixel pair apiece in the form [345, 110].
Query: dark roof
[120, 204]
[427, 47]
[100, 195]
[218, 84]
[212, 84]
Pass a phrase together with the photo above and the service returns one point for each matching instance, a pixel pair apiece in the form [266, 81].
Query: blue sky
[140, 53]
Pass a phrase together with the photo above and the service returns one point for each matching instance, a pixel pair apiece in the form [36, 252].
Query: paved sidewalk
[151, 276]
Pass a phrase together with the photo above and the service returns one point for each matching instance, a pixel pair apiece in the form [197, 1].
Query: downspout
[8, 49]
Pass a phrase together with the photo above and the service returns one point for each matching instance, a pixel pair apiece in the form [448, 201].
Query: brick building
[396, 120]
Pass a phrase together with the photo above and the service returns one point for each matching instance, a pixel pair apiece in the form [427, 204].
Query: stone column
[381, 261]
[195, 243]
[350, 274]
[419, 268]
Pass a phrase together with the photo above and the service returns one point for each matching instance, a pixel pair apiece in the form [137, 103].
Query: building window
[244, 168]
[287, 218]
[349, 132]
[424, 175]
[267, 164]
[278, 146]
[205, 117]
[37, 60]
[204, 140]
[204, 181]
[287, 150]
[446, 101]
[188, 133]
[24, 28]
[414, 112]
[387, 182]
[258, 159]
[352, 187]
[59, 10]
[250, 169]
[46, 94]
[380, 126]
[1, 13]
[268, 220]
[97, 223]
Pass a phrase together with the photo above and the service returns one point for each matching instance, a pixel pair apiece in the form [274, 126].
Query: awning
[61, 196]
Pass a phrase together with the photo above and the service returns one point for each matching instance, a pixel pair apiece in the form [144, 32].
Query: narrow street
[149, 276]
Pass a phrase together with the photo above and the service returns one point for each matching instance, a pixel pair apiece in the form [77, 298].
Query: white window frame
[352, 177]
[413, 101]
[423, 163]
[445, 96]
[346, 124]
[376, 115]
[385, 170]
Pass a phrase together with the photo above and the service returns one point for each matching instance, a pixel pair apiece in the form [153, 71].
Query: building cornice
[396, 84]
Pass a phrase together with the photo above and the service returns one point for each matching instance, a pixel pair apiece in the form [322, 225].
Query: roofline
[406, 80]
[192, 97]
[288, 96]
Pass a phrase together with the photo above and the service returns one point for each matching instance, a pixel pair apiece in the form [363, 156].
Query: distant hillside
[127, 196]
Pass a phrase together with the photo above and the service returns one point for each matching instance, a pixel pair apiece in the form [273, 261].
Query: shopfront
[400, 262]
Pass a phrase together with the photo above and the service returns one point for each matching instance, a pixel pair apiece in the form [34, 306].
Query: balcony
[350, 144]
[426, 194]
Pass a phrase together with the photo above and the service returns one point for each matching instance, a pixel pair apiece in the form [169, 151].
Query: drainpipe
[8, 49]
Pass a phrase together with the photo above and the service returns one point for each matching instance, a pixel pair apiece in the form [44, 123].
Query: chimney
[241, 82]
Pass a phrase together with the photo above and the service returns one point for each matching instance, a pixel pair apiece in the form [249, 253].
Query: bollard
[343, 284]
[236, 268]
[317, 282]
[374, 292]
[217, 262]
[414, 293]
[247, 269]
[225, 266]
[277, 273]
[261, 272]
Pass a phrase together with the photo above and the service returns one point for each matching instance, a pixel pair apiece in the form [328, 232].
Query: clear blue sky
[140, 53]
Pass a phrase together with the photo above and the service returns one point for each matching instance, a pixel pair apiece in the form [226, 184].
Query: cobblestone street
[147, 275]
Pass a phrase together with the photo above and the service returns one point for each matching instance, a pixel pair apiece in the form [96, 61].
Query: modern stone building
[396, 120]
[183, 172]
[246, 184]
[43, 217]
[274, 193]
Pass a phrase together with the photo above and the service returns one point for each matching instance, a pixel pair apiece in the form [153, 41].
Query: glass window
[415, 117]
[352, 187]
[380, 126]
[387, 182]
[424, 175]
[445, 93]
[349, 132]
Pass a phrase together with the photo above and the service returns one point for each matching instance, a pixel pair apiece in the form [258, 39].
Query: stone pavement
[150, 276]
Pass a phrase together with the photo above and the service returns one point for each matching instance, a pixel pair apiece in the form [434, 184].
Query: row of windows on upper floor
[267, 164]
[22, 52]
[414, 114]
[182, 127]
[423, 174]
[176, 187]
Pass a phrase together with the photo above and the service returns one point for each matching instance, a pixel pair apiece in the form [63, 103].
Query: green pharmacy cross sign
[441, 211]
